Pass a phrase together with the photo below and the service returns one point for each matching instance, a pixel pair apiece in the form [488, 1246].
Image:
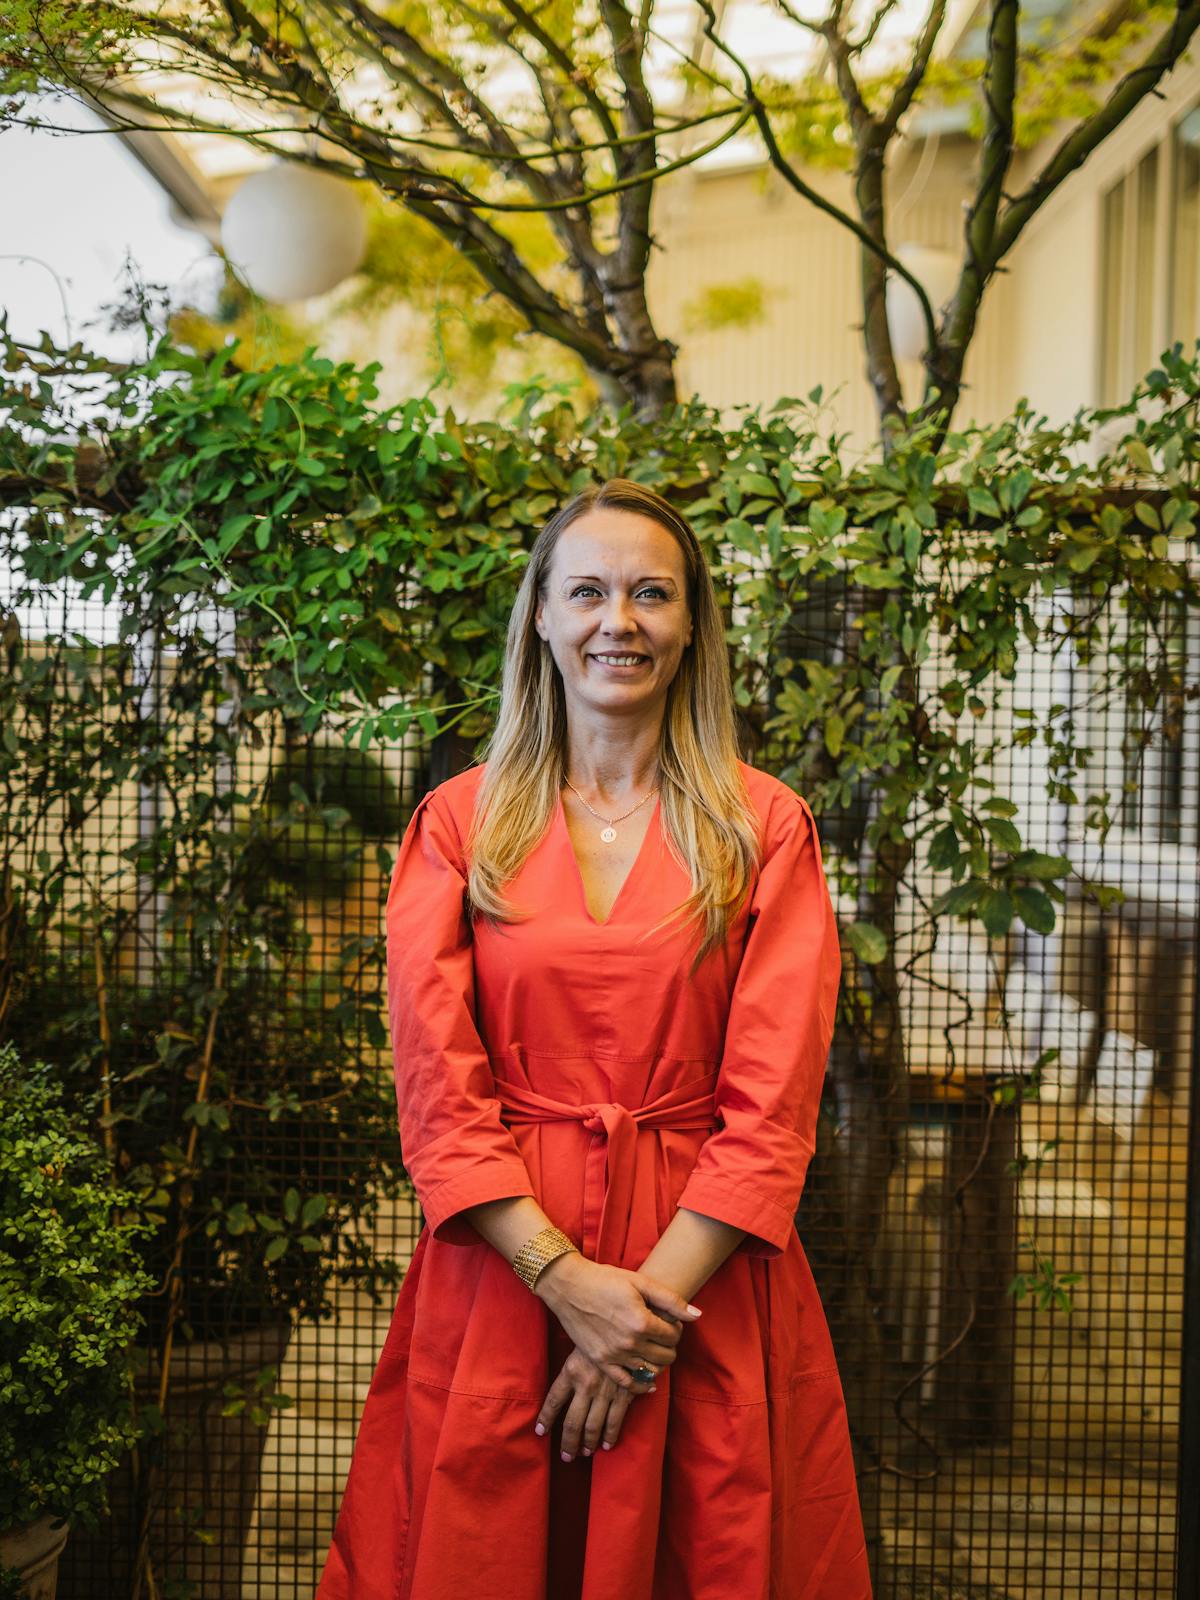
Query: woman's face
[616, 587]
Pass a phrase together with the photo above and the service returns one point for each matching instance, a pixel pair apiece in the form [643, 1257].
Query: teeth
[620, 661]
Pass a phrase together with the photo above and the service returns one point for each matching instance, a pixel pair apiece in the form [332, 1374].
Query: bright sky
[73, 206]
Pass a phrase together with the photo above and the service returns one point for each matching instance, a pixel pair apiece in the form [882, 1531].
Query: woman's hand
[618, 1319]
[596, 1410]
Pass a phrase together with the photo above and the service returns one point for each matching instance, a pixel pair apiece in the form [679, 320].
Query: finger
[647, 1324]
[624, 1379]
[617, 1408]
[652, 1354]
[556, 1396]
[642, 1384]
[663, 1299]
[593, 1428]
[620, 1375]
[573, 1421]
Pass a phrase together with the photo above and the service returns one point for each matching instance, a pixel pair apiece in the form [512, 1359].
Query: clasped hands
[618, 1319]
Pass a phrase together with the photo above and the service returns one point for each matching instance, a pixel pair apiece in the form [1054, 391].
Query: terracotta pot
[34, 1550]
[210, 1464]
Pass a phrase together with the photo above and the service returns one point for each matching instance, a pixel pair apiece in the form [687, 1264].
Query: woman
[612, 973]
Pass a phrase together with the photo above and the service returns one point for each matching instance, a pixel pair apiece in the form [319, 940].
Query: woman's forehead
[605, 542]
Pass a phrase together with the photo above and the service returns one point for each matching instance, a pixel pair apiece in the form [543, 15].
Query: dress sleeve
[751, 1169]
[455, 1148]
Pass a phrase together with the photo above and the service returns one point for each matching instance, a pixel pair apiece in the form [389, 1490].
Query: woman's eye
[651, 588]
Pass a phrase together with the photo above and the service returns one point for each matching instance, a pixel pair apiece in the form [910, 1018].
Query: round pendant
[608, 834]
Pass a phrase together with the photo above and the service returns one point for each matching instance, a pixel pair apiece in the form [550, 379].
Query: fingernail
[607, 1446]
[586, 1451]
[653, 1389]
[539, 1428]
[696, 1309]
[565, 1456]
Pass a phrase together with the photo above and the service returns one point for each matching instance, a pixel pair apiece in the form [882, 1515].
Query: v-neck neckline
[561, 813]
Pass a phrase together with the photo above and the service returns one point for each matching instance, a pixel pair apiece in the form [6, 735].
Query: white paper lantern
[294, 231]
[937, 271]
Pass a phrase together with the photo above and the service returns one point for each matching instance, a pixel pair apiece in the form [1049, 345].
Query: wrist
[555, 1275]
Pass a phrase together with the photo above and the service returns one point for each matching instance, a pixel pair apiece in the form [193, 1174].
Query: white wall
[1056, 263]
[1039, 328]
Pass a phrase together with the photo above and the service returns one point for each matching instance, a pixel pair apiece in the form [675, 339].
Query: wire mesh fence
[998, 1236]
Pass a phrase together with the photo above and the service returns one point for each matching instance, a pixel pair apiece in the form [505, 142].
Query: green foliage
[267, 1165]
[368, 553]
[259, 1399]
[1046, 1286]
[365, 560]
[329, 802]
[70, 1278]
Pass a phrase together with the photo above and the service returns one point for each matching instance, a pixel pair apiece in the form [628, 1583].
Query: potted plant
[219, 1025]
[70, 1278]
[258, 1151]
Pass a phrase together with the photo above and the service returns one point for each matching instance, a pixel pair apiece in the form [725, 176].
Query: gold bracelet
[539, 1251]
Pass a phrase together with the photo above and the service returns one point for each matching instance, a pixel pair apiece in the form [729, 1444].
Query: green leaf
[867, 942]
[944, 849]
[740, 534]
[231, 531]
[996, 911]
[756, 483]
[1036, 909]
[1003, 833]
[1138, 455]
[958, 900]
[1082, 557]
[1033, 864]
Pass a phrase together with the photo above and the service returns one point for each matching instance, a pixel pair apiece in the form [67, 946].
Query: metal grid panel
[1006, 1443]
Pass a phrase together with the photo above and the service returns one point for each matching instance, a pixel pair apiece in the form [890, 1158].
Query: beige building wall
[1040, 328]
[1056, 267]
[1040, 325]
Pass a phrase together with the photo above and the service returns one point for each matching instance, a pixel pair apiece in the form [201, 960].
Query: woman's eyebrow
[575, 577]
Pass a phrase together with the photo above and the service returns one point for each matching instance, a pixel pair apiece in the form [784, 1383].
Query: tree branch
[915, 76]
[789, 174]
[1079, 144]
[999, 97]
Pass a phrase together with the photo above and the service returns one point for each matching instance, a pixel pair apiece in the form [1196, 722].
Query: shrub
[69, 1280]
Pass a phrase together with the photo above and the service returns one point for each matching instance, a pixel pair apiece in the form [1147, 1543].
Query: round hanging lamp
[293, 231]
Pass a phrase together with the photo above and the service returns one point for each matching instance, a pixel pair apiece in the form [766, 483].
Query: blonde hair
[708, 819]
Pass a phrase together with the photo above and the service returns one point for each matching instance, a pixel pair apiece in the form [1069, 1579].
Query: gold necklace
[609, 833]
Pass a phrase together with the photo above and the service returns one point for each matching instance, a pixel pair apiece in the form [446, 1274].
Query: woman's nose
[618, 617]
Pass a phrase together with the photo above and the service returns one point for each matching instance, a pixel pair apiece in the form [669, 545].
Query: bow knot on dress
[611, 1173]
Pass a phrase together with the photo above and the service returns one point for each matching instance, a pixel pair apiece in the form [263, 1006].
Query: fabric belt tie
[615, 1170]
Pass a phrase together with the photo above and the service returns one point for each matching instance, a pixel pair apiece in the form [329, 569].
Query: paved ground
[328, 1370]
[991, 1528]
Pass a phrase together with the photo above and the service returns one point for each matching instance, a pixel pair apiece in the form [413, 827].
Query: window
[1159, 743]
[1150, 259]
[1185, 223]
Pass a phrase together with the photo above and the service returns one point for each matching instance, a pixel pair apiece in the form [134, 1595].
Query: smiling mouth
[619, 659]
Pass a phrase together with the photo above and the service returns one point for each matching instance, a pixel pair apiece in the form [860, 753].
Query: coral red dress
[566, 1059]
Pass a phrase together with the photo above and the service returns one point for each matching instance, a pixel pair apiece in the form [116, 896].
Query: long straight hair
[708, 818]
